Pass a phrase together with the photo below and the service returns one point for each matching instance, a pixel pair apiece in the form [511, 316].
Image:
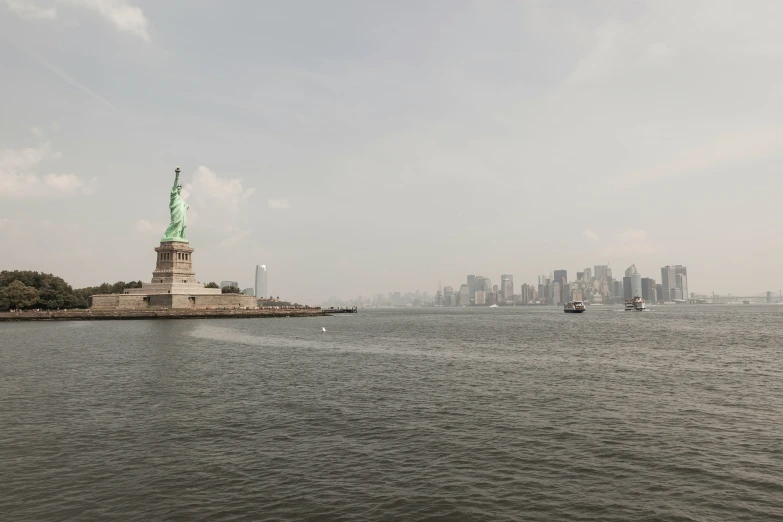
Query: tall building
[483, 284]
[481, 297]
[471, 289]
[507, 286]
[633, 277]
[526, 293]
[557, 293]
[617, 288]
[627, 290]
[464, 295]
[261, 287]
[448, 296]
[487, 285]
[681, 280]
[649, 292]
[668, 281]
[588, 274]
[602, 272]
[561, 276]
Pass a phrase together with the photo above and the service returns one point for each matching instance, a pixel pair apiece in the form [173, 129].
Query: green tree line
[27, 289]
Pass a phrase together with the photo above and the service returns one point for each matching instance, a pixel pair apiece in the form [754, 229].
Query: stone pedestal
[175, 264]
[173, 273]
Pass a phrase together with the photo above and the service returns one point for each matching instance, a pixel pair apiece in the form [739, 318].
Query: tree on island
[231, 290]
[20, 295]
[212, 285]
[53, 292]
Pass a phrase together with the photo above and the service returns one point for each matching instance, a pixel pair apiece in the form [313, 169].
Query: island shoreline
[109, 315]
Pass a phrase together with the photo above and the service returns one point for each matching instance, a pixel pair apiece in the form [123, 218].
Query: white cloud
[209, 190]
[589, 234]
[18, 181]
[631, 242]
[29, 10]
[148, 228]
[120, 13]
[278, 203]
[218, 202]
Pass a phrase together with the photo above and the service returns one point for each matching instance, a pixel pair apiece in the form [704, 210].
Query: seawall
[113, 315]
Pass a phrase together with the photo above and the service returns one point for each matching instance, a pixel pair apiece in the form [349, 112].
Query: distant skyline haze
[359, 148]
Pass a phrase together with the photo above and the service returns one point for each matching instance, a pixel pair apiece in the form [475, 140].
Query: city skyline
[512, 139]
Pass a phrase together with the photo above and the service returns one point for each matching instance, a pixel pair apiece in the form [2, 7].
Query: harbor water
[400, 414]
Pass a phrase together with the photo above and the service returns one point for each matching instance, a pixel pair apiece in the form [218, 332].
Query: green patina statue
[179, 217]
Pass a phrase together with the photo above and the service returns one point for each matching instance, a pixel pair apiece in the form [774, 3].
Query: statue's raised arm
[176, 179]
[178, 208]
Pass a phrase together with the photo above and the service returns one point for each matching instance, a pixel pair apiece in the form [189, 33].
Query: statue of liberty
[179, 209]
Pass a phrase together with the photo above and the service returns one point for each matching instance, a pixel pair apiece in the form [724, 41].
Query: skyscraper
[633, 277]
[507, 286]
[471, 289]
[261, 287]
[649, 293]
[526, 293]
[627, 289]
[561, 276]
[602, 271]
[668, 281]
[464, 294]
[681, 280]
[448, 296]
[682, 286]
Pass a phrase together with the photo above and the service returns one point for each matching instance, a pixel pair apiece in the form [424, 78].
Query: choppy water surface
[508, 414]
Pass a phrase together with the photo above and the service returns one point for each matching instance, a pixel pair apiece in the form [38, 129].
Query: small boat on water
[493, 306]
[635, 305]
[574, 307]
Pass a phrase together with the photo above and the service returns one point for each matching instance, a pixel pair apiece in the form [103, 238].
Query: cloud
[148, 228]
[631, 242]
[30, 11]
[210, 190]
[589, 234]
[278, 203]
[218, 202]
[120, 13]
[18, 181]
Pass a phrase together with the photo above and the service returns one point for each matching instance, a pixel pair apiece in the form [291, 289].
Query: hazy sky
[366, 147]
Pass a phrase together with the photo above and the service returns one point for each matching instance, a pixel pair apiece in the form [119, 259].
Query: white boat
[635, 305]
[574, 307]
[493, 306]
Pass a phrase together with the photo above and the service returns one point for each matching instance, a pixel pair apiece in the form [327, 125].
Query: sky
[358, 147]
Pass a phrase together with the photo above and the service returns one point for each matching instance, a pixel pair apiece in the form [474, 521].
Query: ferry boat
[635, 304]
[574, 307]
